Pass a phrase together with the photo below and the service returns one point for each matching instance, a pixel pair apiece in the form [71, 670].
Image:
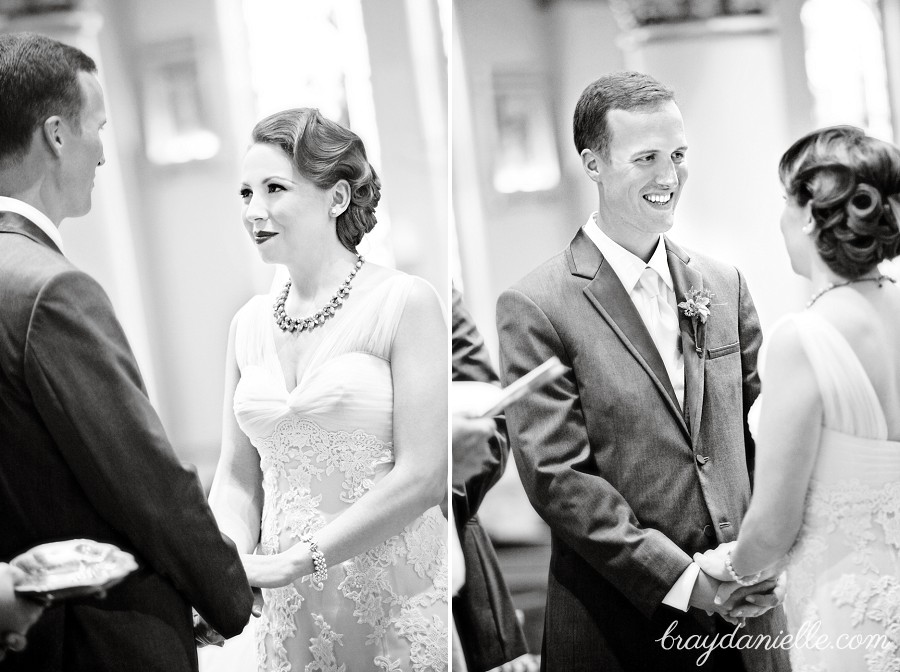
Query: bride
[827, 486]
[335, 432]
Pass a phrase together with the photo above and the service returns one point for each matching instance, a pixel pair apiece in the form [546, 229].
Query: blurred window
[313, 53]
[525, 155]
[845, 64]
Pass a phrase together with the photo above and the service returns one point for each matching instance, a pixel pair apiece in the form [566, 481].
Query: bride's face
[799, 245]
[285, 214]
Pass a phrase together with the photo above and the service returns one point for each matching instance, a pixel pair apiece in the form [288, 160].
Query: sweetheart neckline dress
[322, 446]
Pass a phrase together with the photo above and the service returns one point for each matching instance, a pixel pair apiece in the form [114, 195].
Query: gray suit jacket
[629, 484]
[84, 455]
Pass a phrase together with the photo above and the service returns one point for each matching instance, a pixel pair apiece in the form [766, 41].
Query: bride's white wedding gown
[844, 573]
[322, 446]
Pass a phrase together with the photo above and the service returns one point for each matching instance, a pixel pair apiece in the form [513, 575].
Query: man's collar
[35, 216]
[627, 266]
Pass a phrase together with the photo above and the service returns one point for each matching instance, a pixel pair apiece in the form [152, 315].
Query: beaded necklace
[317, 319]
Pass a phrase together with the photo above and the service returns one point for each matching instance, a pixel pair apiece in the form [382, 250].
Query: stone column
[409, 89]
[101, 242]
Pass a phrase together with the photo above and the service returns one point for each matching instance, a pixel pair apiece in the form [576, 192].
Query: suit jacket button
[702, 459]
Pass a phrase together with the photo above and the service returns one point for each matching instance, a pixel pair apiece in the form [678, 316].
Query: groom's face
[641, 181]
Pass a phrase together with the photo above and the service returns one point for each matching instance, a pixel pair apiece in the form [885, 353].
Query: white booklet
[486, 400]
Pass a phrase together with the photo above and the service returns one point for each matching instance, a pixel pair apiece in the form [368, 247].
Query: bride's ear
[340, 197]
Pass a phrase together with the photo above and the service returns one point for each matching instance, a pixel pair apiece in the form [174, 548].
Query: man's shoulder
[711, 267]
[28, 267]
[545, 278]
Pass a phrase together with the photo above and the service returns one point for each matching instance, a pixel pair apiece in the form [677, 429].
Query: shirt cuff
[679, 596]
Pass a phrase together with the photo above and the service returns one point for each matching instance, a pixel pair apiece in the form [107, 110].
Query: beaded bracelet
[744, 581]
[321, 569]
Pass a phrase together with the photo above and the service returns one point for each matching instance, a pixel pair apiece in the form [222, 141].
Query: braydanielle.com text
[807, 637]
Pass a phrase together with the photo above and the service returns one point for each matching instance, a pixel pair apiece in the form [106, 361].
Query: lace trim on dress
[302, 444]
[303, 453]
[876, 601]
[322, 648]
[864, 518]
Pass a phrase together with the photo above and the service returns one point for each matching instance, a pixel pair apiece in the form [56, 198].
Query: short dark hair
[616, 91]
[38, 79]
[325, 152]
[853, 184]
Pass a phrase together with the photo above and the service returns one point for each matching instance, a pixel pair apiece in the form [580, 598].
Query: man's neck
[32, 198]
[31, 181]
[639, 243]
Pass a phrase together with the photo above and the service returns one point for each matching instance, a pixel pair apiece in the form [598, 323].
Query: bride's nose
[256, 213]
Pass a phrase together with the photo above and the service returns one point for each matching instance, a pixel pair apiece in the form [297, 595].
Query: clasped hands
[263, 571]
[206, 635]
[716, 591]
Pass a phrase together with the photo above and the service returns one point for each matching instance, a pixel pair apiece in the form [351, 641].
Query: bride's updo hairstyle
[853, 184]
[325, 152]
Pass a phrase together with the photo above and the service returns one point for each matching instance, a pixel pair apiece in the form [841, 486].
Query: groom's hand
[704, 593]
[204, 634]
[258, 602]
[751, 601]
[706, 588]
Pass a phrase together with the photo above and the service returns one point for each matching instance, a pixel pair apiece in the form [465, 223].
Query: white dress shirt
[665, 333]
[33, 215]
[629, 268]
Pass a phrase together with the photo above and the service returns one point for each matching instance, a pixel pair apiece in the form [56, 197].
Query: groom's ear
[591, 164]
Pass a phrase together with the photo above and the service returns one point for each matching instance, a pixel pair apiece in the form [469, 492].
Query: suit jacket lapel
[608, 296]
[684, 277]
[12, 222]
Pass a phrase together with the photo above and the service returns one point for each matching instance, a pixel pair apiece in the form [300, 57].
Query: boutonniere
[696, 306]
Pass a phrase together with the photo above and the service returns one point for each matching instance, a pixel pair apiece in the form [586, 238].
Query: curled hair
[852, 182]
[617, 91]
[38, 79]
[325, 153]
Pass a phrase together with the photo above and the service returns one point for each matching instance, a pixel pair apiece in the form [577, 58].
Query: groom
[640, 455]
[82, 452]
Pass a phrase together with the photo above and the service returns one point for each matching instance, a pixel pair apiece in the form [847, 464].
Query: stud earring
[334, 212]
[809, 228]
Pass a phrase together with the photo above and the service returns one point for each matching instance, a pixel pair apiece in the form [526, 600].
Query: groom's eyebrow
[653, 150]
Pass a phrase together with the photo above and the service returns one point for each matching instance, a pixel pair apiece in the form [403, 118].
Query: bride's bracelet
[742, 580]
[321, 569]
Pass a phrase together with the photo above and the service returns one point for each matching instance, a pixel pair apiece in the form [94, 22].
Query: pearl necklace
[309, 323]
[834, 285]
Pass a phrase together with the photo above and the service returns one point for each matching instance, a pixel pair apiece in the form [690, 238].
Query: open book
[486, 400]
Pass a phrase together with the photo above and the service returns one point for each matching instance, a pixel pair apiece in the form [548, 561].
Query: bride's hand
[268, 571]
[713, 561]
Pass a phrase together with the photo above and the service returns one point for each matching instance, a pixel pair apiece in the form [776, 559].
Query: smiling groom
[640, 455]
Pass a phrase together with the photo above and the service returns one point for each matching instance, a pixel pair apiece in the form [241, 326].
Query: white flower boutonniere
[696, 305]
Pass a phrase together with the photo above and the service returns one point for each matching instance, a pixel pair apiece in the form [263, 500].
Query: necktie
[662, 322]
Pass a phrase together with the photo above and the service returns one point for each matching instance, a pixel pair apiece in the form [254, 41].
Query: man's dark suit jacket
[630, 484]
[483, 612]
[83, 455]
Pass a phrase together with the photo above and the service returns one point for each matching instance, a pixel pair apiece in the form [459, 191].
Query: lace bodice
[322, 446]
[843, 571]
